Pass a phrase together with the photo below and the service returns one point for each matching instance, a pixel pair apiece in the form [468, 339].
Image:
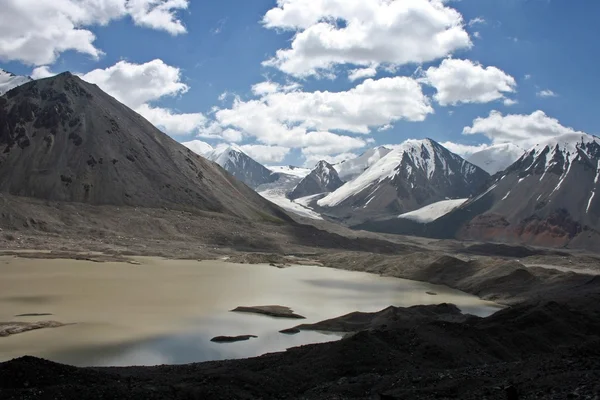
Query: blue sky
[533, 46]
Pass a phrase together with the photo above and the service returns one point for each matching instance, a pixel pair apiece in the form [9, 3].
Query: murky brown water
[166, 311]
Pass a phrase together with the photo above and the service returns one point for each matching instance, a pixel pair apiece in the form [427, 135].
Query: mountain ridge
[63, 139]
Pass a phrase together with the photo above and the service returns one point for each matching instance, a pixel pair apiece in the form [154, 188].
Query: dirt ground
[546, 345]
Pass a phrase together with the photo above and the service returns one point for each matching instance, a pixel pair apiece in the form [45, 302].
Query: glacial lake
[166, 311]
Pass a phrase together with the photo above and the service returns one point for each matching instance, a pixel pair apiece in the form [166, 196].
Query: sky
[297, 81]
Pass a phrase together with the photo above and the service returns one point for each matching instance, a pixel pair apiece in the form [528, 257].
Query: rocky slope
[416, 174]
[322, 179]
[62, 139]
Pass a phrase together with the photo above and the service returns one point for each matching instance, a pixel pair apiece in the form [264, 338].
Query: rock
[232, 339]
[271, 311]
[33, 315]
[13, 328]
[290, 331]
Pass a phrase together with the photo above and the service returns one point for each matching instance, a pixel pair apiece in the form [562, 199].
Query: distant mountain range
[413, 175]
[547, 198]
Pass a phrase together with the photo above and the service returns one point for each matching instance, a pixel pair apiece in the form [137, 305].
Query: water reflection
[166, 311]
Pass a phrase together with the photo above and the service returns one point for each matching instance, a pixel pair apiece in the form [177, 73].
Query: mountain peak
[239, 164]
[72, 142]
[322, 179]
[414, 174]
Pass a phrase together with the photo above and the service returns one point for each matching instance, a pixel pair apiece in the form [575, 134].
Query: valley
[419, 273]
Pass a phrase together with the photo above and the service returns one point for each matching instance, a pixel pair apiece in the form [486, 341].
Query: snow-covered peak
[426, 155]
[231, 154]
[290, 170]
[350, 169]
[10, 81]
[559, 153]
[199, 147]
[325, 172]
[497, 157]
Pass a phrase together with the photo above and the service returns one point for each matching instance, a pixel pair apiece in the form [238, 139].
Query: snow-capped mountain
[277, 191]
[10, 81]
[549, 197]
[290, 170]
[199, 147]
[322, 179]
[350, 169]
[242, 166]
[496, 157]
[415, 174]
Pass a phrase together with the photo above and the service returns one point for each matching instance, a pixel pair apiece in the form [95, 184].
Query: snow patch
[433, 211]
[275, 196]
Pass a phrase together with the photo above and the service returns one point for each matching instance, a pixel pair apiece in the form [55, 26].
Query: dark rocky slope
[63, 139]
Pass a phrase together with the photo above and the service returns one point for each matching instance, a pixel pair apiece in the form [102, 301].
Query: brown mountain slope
[63, 139]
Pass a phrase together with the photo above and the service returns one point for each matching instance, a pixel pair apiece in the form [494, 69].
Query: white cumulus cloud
[546, 93]
[305, 120]
[36, 32]
[138, 85]
[464, 81]
[520, 129]
[265, 154]
[371, 32]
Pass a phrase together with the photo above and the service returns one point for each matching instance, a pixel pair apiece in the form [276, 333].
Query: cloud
[361, 73]
[36, 32]
[546, 93]
[41, 72]
[464, 150]
[527, 77]
[477, 21]
[170, 122]
[522, 130]
[510, 102]
[464, 81]
[358, 32]
[138, 85]
[265, 154]
[296, 119]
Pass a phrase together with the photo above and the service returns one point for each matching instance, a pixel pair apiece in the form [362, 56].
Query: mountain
[322, 179]
[496, 158]
[10, 81]
[290, 170]
[199, 147]
[242, 166]
[277, 192]
[548, 197]
[350, 169]
[65, 140]
[415, 174]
